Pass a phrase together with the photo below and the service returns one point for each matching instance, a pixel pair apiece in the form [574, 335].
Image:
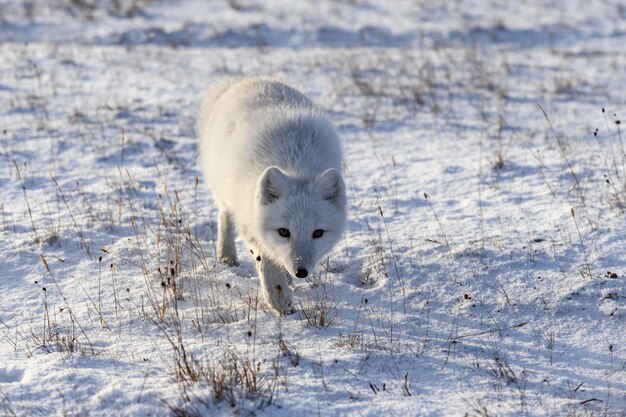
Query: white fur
[272, 160]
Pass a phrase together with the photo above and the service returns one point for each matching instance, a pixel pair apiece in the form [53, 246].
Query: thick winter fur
[272, 161]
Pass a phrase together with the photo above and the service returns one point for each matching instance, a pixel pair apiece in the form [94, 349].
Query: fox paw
[286, 310]
[282, 305]
[229, 261]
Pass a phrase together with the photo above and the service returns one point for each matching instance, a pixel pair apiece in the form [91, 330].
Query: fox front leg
[275, 283]
[226, 249]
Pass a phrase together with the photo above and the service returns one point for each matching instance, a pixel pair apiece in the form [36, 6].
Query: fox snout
[301, 259]
[300, 267]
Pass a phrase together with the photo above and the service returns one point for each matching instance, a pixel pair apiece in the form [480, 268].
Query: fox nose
[302, 273]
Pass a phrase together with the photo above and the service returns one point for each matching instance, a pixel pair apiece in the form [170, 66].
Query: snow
[500, 293]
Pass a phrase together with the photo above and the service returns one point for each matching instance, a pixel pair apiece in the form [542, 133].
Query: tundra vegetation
[482, 268]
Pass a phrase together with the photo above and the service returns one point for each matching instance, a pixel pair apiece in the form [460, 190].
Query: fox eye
[284, 232]
[317, 233]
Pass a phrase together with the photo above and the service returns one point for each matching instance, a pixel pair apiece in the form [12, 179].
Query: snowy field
[483, 269]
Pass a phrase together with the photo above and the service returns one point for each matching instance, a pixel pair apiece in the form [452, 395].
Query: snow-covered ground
[483, 269]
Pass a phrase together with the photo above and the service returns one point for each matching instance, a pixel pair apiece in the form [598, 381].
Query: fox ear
[271, 185]
[331, 187]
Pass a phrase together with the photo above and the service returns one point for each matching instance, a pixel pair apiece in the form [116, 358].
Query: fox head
[298, 221]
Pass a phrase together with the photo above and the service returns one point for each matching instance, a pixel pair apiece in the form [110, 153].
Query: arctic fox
[272, 161]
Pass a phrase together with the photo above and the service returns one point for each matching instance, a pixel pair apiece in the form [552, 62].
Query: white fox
[272, 161]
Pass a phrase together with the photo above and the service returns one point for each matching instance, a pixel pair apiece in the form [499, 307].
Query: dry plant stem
[119, 168]
[619, 137]
[393, 258]
[47, 325]
[481, 213]
[321, 364]
[622, 149]
[582, 244]
[395, 183]
[5, 332]
[30, 212]
[608, 176]
[99, 286]
[141, 236]
[67, 305]
[563, 153]
[445, 239]
[4, 219]
[96, 307]
[76, 226]
[608, 382]
[318, 310]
